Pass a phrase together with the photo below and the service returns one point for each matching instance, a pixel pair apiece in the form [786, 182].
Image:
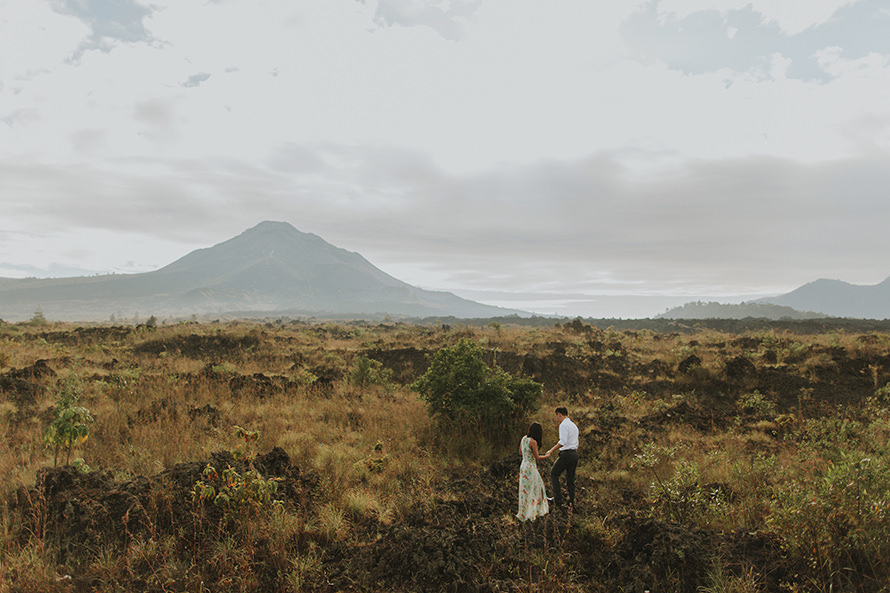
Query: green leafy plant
[238, 495]
[681, 496]
[366, 372]
[70, 426]
[242, 451]
[757, 404]
[459, 387]
[838, 518]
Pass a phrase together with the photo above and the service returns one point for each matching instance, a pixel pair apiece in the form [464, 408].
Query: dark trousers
[567, 462]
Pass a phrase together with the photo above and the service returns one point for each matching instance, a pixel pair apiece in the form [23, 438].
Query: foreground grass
[710, 461]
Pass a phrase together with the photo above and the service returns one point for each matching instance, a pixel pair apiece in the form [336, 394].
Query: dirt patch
[684, 413]
[739, 367]
[670, 555]
[88, 335]
[199, 346]
[94, 509]
[24, 386]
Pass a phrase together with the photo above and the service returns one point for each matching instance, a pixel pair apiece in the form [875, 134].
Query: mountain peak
[839, 299]
[268, 226]
[269, 267]
[274, 230]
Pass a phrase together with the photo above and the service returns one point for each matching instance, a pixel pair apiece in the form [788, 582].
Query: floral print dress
[532, 495]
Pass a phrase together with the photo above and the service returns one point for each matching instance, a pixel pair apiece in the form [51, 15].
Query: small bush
[366, 372]
[460, 388]
[71, 423]
[838, 520]
[757, 404]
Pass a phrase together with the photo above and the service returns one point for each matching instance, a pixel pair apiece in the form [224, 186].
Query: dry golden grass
[376, 454]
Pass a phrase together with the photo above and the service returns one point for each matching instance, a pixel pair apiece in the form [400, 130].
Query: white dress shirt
[568, 435]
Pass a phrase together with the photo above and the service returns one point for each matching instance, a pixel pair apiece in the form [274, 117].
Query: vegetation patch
[357, 457]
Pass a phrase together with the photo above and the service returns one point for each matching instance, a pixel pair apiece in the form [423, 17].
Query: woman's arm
[533, 445]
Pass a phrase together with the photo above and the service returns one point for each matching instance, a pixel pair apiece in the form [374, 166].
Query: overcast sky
[560, 149]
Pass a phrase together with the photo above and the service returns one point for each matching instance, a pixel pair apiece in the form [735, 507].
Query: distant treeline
[578, 324]
[714, 310]
[667, 326]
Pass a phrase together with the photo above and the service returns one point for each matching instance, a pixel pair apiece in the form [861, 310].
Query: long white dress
[532, 495]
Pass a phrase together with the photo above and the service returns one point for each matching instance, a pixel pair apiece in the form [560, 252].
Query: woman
[532, 495]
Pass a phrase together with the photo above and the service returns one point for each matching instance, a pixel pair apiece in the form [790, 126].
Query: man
[568, 457]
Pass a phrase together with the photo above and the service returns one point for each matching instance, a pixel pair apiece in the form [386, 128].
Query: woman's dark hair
[536, 432]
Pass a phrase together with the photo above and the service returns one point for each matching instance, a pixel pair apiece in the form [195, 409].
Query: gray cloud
[17, 117]
[157, 117]
[86, 141]
[446, 18]
[110, 21]
[195, 80]
[745, 42]
[708, 227]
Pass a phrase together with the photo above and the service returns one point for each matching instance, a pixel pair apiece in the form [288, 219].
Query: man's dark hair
[563, 411]
[536, 431]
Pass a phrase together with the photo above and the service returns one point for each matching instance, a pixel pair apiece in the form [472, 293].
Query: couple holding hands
[533, 501]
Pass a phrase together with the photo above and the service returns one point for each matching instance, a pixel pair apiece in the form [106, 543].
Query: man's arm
[560, 442]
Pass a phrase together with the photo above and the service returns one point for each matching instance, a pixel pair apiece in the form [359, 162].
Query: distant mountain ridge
[821, 298]
[839, 299]
[271, 268]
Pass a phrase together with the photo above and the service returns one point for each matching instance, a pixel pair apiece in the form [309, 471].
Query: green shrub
[366, 372]
[837, 520]
[682, 497]
[460, 388]
[70, 426]
[238, 495]
[757, 404]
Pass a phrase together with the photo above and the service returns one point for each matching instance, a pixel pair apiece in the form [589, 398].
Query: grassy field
[710, 460]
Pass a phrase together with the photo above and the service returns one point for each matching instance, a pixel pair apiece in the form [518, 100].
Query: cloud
[110, 21]
[447, 18]
[88, 141]
[704, 224]
[745, 41]
[157, 117]
[195, 80]
[754, 224]
[18, 117]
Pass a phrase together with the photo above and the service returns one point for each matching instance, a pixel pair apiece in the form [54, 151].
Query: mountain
[270, 269]
[839, 299]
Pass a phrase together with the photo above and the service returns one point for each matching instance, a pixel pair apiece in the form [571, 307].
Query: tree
[38, 318]
[461, 389]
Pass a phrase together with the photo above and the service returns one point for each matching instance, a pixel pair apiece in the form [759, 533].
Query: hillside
[713, 310]
[839, 299]
[270, 269]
